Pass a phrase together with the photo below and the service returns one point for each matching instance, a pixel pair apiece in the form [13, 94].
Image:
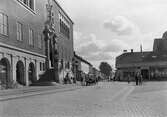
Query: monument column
[47, 46]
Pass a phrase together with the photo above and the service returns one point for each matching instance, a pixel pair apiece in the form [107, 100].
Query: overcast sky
[104, 28]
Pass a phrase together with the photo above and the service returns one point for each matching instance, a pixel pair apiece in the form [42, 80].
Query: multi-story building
[22, 54]
[22, 45]
[64, 30]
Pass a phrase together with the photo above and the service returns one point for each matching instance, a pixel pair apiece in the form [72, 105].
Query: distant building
[152, 64]
[81, 67]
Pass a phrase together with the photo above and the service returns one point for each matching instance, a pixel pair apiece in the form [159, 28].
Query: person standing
[140, 79]
[136, 78]
[128, 78]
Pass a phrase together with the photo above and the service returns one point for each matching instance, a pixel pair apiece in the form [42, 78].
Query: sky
[104, 28]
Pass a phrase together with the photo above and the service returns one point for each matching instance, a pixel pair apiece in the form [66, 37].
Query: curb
[35, 93]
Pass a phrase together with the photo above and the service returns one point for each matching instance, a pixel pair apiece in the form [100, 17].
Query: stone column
[47, 46]
[55, 58]
[37, 70]
[13, 65]
[26, 72]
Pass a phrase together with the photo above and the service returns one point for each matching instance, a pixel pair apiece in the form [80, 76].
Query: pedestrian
[140, 79]
[136, 78]
[128, 78]
[66, 79]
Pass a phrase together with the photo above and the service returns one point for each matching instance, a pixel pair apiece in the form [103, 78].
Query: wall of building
[17, 12]
[65, 44]
[13, 57]
[16, 51]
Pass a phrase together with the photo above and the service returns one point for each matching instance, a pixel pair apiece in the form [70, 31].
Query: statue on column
[50, 41]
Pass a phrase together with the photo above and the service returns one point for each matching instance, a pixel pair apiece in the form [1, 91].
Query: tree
[105, 68]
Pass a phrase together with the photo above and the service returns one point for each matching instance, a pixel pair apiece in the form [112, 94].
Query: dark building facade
[152, 64]
[22, 45]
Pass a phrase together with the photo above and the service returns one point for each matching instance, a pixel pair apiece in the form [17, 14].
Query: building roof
[63, 11]
[159, 54]
[141, 57]
[131, 57]
[156, 57]
[160, 44]
[83, 60]
[164, 36]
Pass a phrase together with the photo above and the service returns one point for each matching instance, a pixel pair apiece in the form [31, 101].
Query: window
[39, 41]
[28, 3]
[64, 26]
[3, 24]
[31, 4]
[30, 36]
[40, 66]
[19, 32]
[25, 2]
[43, 66]
[68, 65]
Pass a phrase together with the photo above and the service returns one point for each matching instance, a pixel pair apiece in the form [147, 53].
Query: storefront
[158, 73]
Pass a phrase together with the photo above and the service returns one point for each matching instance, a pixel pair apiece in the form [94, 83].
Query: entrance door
[31, 73]
[4, 72]
[145, 74]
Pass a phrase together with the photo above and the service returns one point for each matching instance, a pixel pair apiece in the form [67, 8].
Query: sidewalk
[35, 90]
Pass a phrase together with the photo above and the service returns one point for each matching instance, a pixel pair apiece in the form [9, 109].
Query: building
[23, 47]
[152, 64]
[22, 54]
[59, 44]
[81, 67]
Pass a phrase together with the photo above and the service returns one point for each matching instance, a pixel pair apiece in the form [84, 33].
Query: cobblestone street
[107, 99]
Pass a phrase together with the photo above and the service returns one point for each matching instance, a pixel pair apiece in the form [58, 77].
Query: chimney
[141, 49]
[124, 51]
[131, 50]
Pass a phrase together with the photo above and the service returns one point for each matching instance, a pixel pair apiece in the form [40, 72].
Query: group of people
[91, 80]
[138, 78]
[69, 79]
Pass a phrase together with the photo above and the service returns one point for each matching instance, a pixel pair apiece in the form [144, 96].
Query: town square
[83, 58]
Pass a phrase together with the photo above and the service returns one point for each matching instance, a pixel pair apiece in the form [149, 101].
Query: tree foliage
[105, 68]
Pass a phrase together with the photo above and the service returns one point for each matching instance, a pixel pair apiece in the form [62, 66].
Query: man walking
[128, 78]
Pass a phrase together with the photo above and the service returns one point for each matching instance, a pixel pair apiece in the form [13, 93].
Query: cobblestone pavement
[107, 99]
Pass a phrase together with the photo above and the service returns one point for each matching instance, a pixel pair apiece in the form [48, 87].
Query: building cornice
[21, 50]
[150, 64]
[63, 11]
